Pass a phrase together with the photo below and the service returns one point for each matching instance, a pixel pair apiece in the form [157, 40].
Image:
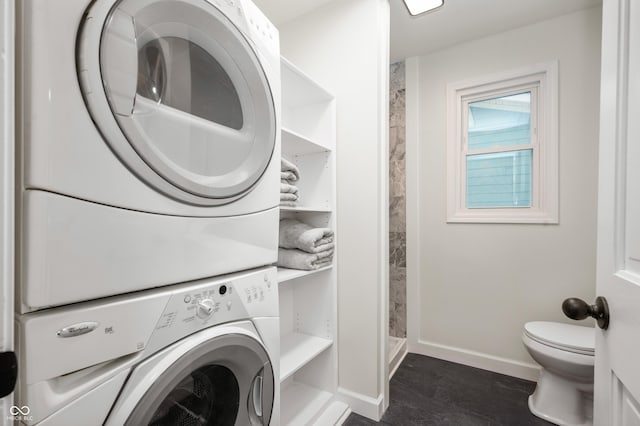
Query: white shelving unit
[306, 209]
[303, 404]
[295, 142]
[286, 274]
[308, 299]
[297, 350]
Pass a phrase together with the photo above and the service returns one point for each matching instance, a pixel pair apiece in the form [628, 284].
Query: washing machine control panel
[210, 302]
[205, 308]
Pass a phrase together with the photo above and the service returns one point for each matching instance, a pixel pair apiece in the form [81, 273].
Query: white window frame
[542, 81]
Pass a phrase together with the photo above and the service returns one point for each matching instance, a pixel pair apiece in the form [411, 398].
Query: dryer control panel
[260, 26]
[250, 19]
[211, 302]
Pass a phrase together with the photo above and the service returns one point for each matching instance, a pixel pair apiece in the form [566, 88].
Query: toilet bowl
[564, 393]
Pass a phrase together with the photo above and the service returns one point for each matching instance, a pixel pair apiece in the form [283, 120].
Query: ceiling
[455, 22]
[463, 20]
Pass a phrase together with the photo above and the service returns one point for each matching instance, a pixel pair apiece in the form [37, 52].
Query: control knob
[205, 308]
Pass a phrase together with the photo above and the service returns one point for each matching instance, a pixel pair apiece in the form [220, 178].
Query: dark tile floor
[429, 391]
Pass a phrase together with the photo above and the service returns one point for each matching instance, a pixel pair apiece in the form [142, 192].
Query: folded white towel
[325, 254]
[288, 203]
[288, 197]
[290, 170]
[324, 241]
[323, 247]
[288, 176]
[297, 259]
[286, 188]
[297, 235]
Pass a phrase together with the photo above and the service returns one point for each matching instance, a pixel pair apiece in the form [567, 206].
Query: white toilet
[564, 394]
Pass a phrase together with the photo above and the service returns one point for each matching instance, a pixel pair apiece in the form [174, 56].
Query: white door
[617, 381]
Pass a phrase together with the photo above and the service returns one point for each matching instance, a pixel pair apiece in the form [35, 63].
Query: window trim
[544, 203]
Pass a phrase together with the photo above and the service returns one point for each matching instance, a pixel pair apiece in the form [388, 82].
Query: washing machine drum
[227, 381]
[180, 95]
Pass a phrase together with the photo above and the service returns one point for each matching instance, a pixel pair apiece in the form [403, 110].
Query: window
[502, 149]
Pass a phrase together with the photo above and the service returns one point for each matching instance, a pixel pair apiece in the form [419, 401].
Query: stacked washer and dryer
[149, 168]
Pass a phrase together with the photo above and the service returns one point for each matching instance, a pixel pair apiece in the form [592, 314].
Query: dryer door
[189, 95]
[226, 381]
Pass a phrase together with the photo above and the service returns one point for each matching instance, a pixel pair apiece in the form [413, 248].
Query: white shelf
[297, 350]
[308, 363]
[306, 209]
[300, 89]
[297, 144]
[303, 404]
[308, 114]
[334, 414]
[286, 274]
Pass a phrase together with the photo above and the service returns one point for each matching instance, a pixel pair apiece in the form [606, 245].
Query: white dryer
[149, 144]
[201, 353]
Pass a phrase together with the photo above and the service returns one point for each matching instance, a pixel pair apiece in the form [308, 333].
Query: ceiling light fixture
[417, 7]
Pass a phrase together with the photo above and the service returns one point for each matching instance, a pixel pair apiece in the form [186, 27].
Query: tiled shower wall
[397, 204]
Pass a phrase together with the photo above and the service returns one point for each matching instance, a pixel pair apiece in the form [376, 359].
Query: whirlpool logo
[20, 413]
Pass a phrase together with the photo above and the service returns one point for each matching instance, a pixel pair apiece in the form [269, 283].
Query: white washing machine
[200, 353]
[149, 144]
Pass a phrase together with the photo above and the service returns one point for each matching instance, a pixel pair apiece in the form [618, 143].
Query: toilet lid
[573, 338]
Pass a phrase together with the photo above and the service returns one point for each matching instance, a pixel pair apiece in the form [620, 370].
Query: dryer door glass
[164, 64]
[189, 93]
[225, 381]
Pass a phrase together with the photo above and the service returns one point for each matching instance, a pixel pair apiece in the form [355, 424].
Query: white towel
[288, 170]
[286, 188]
[327, 255]
[288, 203]
[288, 176]
[288, 197]
[324, 241]
[297, 235]
[298, 259]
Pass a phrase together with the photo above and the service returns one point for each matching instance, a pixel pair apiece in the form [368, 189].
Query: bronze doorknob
[578, 309]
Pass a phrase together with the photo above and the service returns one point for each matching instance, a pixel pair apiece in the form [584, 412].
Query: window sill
[503, 216]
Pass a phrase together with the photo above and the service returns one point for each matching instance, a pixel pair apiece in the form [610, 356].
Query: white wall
[344, 46]
[7, 106]
[473, 286]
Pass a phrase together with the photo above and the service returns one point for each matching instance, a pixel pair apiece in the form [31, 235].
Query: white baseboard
[481, 360]
[363, 405]
[344, 417]
[397, 359]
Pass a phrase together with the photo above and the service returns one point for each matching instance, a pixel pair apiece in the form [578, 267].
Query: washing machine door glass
[225, 381]
[189, 93]
[192, 400]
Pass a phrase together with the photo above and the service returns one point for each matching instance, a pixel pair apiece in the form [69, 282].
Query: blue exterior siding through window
[499, 179]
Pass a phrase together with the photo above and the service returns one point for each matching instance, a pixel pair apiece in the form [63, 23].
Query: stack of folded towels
[304, 247]
[289, 174]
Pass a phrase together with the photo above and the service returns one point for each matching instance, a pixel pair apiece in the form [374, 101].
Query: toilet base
[563, 402]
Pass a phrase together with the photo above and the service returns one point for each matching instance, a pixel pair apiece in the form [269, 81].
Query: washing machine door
[188, 93]
[227, 380]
